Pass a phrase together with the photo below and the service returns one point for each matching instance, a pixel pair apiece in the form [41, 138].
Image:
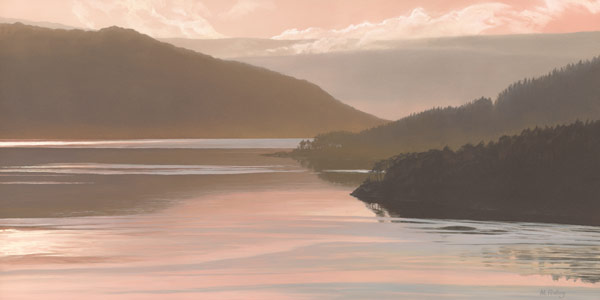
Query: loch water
[217, 219]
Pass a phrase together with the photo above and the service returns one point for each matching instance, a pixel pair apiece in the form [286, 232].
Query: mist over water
[198, 223]
[156, 144]
[138, 169]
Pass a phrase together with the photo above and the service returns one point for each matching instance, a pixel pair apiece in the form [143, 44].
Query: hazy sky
[320, 19]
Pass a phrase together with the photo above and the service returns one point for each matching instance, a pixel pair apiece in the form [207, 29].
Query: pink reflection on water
[276, 204]
[265, 244]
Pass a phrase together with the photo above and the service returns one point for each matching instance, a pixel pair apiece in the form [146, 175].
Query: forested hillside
[563, 96]
[547, 175]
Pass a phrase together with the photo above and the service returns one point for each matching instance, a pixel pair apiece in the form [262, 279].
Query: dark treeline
[541, 175]
[560, 97]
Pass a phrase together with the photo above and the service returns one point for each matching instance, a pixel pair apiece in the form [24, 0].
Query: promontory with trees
[547, 174]
[523, 157]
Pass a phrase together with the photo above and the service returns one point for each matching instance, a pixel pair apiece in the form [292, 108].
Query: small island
[542, 175]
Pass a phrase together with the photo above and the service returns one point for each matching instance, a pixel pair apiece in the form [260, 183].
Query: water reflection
[269, 235]
[49, 182]
[210, 249]
[348, 178]
[143, 169]
[571, 263]
[156, 144]
[562, 252]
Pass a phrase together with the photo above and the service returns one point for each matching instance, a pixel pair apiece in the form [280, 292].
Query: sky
[324, 20]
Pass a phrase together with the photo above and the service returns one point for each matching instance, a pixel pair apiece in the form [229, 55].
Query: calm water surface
[200, 222]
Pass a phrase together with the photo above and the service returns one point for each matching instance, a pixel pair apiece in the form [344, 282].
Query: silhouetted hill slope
[36, 23]
[560, 97]
[228, 48]
[546, 175]
[117, 83]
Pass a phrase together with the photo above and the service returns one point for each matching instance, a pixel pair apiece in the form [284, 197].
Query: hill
[560, 97]
[118, 83]
[393, 79]
[34, 23]
[541, 175]
[229, 48]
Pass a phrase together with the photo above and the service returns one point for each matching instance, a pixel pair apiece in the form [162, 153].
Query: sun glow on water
[156, 143]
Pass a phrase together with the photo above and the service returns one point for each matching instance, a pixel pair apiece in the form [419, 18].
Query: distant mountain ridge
[229, 48]
[51, 25]
[395, 78]
[118, 83]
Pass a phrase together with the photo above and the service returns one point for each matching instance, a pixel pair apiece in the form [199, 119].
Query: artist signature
[553, 293]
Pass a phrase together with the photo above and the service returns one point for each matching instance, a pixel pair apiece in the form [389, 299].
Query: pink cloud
[475, 19]
[331, 19]
[182, 18]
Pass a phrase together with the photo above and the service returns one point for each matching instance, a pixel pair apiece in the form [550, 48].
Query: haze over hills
[118, 83]
[51, 25]
[392, 79]
[229, 48]
[405, 77]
